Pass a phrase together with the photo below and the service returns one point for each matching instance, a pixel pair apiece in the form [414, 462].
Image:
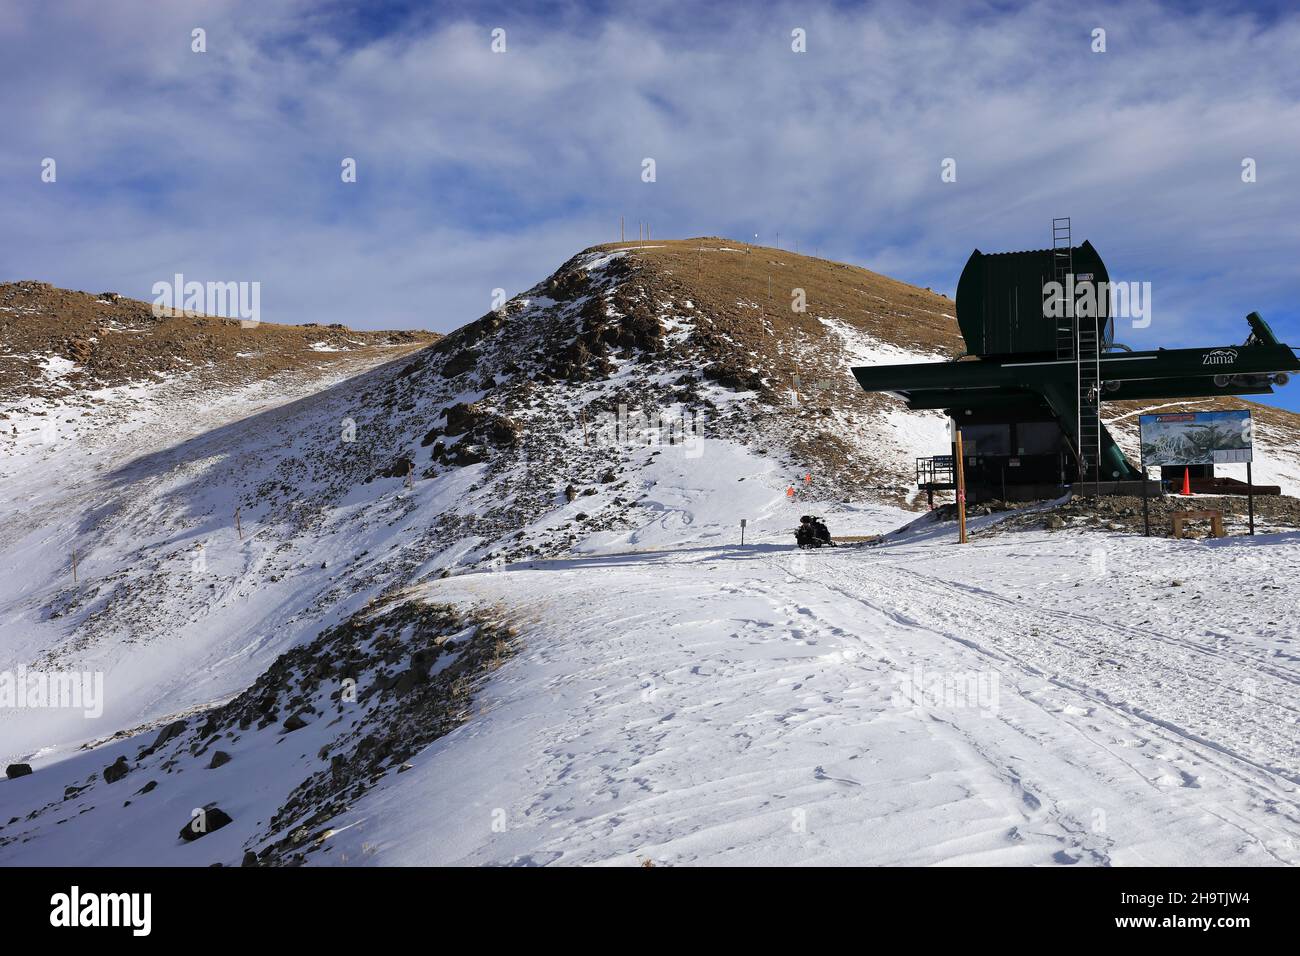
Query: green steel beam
[1017, 380]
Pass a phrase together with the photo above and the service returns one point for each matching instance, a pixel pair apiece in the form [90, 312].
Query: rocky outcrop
[116, 770]
[208, 820]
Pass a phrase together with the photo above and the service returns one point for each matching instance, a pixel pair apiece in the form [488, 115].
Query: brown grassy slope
[114, 340]
[764, 278]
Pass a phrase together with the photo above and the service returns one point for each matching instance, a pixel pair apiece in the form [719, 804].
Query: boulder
[460, 363]
[169, 732]
[219, 759]
[116, 770]
[205, 821]
[461, 418]
[17, 770]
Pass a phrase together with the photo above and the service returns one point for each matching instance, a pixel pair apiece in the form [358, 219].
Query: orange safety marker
[1187, 482]
[789, 492]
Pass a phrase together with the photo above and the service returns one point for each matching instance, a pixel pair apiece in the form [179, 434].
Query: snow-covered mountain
[500, 576]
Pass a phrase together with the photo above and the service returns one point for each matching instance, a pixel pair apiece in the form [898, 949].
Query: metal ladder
[1087, 365]
[1062, 268]
[1080, 340]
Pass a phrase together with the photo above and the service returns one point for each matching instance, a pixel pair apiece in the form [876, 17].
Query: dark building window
[1039, 438]
[986, 439]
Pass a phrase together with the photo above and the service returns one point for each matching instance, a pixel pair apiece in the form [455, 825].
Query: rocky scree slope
[258, 778]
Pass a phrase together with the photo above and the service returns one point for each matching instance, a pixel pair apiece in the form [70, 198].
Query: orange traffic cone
[1187, 482]
[789, 492]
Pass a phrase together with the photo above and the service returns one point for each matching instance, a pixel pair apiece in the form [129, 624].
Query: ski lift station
[1027, 394]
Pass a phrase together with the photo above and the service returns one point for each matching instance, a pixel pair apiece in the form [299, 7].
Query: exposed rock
[17, 770]
[460, 363]
[219, 758]
[208, 820]
[116, 770]
[169, 732]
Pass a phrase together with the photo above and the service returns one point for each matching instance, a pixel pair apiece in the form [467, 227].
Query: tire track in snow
[1254, 778]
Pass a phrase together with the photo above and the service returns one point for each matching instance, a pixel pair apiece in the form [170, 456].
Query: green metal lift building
[1028, 394]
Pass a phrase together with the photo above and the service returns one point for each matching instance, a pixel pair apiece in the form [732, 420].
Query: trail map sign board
[1196, 438]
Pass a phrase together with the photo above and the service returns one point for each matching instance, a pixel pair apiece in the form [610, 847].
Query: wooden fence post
[961, 492]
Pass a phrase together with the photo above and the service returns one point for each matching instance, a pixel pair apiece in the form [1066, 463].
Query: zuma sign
[1220, 357]
[1196, 438]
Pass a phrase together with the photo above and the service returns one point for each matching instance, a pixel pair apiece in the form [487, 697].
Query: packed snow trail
[727, 705]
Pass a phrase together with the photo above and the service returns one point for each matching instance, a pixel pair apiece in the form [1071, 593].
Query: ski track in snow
[728, 706]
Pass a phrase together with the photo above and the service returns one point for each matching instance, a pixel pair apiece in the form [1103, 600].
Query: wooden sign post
[1250, 496]
[1146, 504]
[961, 492]
[742, 532]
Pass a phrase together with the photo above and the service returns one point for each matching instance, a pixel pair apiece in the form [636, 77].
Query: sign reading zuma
[1220, 357]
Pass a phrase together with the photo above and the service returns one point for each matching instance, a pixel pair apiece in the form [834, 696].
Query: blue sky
[479, 170]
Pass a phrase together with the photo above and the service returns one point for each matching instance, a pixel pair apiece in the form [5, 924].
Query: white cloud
[480, 170]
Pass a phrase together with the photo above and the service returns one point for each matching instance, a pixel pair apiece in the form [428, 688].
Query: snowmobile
[812, 533]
